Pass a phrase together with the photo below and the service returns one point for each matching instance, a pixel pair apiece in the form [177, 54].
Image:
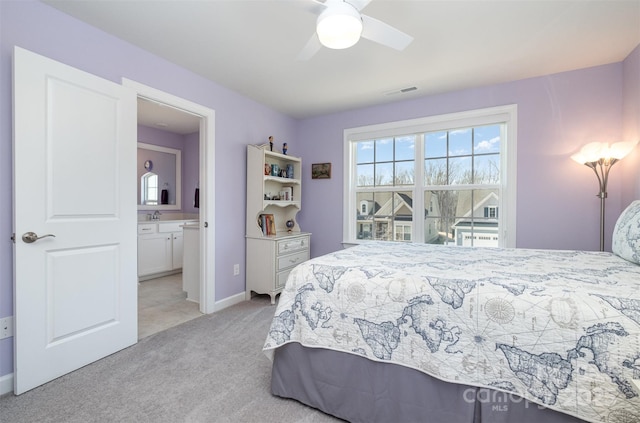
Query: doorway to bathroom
[175, 123]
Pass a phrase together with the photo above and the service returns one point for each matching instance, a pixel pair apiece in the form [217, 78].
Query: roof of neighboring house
[464, 206]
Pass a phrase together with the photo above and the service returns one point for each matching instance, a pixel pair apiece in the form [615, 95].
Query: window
[403, 232]
[149, 189]
[446, 179]
[491, 212]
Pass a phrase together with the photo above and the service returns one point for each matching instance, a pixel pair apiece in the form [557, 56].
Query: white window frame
[507, 115]
[149, 200]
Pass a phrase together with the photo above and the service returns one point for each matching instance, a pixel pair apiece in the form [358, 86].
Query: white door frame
[207, 184]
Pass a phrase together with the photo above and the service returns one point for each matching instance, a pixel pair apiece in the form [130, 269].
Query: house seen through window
[439, 180]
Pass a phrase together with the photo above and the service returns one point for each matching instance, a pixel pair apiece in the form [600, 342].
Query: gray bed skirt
[356, 389]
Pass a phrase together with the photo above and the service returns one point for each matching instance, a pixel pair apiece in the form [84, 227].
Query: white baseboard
[6, 384]
[229, 301]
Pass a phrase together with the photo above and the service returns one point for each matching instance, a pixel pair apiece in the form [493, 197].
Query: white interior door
[74, 171]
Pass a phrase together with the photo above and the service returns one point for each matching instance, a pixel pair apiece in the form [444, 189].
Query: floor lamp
[601, 157]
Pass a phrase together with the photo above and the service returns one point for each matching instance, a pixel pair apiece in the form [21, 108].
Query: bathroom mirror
[159, 177]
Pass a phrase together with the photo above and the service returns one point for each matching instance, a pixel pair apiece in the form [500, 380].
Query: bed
[388, 331]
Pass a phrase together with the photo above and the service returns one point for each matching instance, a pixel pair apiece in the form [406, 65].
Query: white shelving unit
[270, 257]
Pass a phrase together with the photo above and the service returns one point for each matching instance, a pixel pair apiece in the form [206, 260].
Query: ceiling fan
[340, 25]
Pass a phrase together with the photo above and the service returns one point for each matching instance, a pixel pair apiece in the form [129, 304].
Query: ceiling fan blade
[311, 48]
[314, 6]
[359, 4]
[385, 34]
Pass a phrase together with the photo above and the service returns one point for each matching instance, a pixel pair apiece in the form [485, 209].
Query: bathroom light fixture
[601, 157]
[339, 26]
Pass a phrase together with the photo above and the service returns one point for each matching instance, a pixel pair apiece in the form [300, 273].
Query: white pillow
[626, 234]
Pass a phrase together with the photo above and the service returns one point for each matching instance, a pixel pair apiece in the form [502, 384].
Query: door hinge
[206, 224]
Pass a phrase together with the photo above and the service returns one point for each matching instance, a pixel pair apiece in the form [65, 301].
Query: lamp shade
[339, 26]
[595, 151]
[620, 150]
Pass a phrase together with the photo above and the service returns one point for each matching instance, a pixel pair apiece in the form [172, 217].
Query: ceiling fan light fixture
[339, 26]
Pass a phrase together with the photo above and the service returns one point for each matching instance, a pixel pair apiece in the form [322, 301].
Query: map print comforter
[559, 328]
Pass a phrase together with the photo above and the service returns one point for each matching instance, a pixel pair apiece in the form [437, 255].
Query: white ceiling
[166, 118]
[251, 46]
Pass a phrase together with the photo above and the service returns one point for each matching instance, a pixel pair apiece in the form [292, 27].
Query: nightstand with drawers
[271, 261]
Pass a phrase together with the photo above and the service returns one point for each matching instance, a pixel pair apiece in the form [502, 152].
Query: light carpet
[210, 369]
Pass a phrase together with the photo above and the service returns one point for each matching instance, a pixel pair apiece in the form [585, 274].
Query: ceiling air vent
[401, 91]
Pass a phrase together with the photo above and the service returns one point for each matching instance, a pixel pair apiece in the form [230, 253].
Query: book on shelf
[262, 223]
[288, 193]
[272, 224]
[268, 224]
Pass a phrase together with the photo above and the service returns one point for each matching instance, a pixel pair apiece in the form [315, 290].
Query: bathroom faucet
[156, 215]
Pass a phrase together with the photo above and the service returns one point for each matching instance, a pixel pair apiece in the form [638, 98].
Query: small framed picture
[321, 171]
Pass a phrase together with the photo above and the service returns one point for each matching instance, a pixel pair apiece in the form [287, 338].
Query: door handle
[30, 237]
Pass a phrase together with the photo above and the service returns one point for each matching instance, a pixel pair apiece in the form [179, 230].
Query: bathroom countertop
[166, 220]
[149, 227]
[172, 220]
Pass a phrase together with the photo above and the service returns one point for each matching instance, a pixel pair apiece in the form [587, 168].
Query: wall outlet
[6, 327]
[236, 269]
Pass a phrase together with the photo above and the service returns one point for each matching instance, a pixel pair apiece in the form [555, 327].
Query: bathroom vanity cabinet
[160, 246]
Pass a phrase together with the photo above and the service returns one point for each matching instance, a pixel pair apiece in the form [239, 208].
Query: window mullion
[349, 192]
[418, 190]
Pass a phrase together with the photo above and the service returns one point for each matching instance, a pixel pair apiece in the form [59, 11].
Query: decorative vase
[275, 170]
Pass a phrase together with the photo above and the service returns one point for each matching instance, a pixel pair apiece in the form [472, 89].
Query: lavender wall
[239, 121]
[631, 125]
[161, 138]
[557, 114]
